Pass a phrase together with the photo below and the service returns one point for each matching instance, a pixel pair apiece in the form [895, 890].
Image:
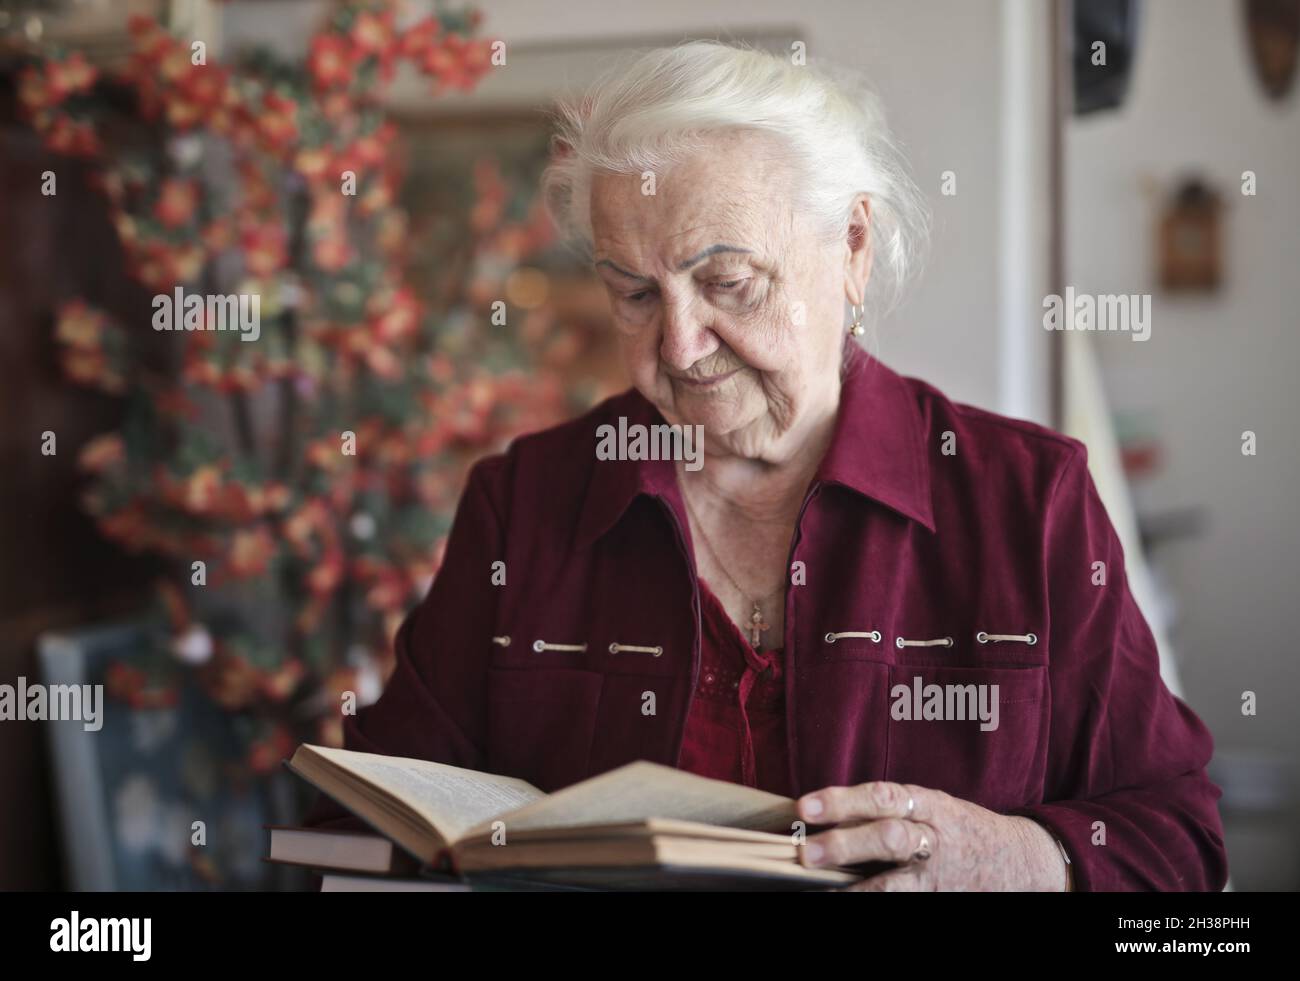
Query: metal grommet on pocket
[617, 648]
[502, 641]
[541, 645]
[901, 642]
[984, 637]
[871, 635]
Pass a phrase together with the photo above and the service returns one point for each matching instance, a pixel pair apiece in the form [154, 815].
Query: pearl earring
[856, 328]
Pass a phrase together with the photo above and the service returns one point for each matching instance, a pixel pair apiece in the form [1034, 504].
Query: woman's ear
[857, 259]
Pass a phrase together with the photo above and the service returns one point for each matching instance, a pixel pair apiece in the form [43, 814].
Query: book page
[451, 798]
[641, 791]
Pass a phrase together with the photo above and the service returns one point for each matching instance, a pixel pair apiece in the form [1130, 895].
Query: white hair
[654, 112]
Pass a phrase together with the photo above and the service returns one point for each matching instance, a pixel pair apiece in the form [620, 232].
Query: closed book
[345, 851]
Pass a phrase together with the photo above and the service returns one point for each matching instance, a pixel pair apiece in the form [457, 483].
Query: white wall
[1212, 367]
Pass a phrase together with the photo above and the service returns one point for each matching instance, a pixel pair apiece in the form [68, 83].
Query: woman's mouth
[708, 381]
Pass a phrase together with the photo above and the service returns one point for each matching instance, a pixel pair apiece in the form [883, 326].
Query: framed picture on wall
[129, 792]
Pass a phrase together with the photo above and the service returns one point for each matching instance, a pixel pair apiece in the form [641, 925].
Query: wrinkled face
[729, 308]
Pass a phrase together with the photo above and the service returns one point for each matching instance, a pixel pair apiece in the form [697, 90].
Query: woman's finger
[867, 802]
[890, 840]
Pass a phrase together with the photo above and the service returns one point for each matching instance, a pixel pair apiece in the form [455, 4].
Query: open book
[642, 825]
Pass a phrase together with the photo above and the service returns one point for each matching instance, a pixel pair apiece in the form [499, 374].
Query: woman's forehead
[690, 218]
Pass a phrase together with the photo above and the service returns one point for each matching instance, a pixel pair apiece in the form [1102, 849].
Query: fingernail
[813, 854]
[812, 806]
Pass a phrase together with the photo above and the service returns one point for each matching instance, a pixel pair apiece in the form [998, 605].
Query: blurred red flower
[177, 201]
[331, 61]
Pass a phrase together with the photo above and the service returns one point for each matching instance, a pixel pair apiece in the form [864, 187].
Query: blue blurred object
[129, 794]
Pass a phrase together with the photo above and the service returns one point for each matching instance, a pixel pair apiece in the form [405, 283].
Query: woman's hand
[946, 843]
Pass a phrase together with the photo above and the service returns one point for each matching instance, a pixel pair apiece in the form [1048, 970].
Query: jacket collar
[877, 450]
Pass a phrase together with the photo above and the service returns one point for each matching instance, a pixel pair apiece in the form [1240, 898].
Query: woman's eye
[728, 284]
[637, 297]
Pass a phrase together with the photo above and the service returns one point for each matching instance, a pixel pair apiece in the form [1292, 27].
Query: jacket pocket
[976, 733]
[541, 723]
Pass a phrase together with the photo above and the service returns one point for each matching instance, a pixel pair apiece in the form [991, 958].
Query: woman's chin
[721, 423]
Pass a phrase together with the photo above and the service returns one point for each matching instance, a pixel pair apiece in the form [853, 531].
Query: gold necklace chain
[756, 621]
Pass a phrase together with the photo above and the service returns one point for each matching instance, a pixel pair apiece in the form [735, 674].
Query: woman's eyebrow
[711, 250]
[621, 271]
[681, 266]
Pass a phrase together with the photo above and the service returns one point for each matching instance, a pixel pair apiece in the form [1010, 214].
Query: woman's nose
[687, 337]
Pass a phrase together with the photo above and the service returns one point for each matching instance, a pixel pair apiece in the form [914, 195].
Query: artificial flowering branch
[314, 471]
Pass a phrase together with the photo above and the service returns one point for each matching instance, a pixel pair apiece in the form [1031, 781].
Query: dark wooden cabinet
[55, 569]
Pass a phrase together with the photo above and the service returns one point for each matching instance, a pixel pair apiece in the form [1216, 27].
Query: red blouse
[736, 727]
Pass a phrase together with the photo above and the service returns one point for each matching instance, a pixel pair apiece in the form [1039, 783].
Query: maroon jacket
[926, 520]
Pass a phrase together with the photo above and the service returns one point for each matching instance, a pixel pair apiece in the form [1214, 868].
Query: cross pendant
[757, 626]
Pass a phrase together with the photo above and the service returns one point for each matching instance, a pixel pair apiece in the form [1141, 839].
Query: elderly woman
[910, 614]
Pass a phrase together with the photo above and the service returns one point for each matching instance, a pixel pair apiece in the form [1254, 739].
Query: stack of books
[641, 826]
[354, 861]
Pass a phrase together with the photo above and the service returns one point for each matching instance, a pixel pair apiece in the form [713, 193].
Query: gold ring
[923, 850]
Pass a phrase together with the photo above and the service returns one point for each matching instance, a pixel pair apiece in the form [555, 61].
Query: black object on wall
[1273, 32]
[1103, 50]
